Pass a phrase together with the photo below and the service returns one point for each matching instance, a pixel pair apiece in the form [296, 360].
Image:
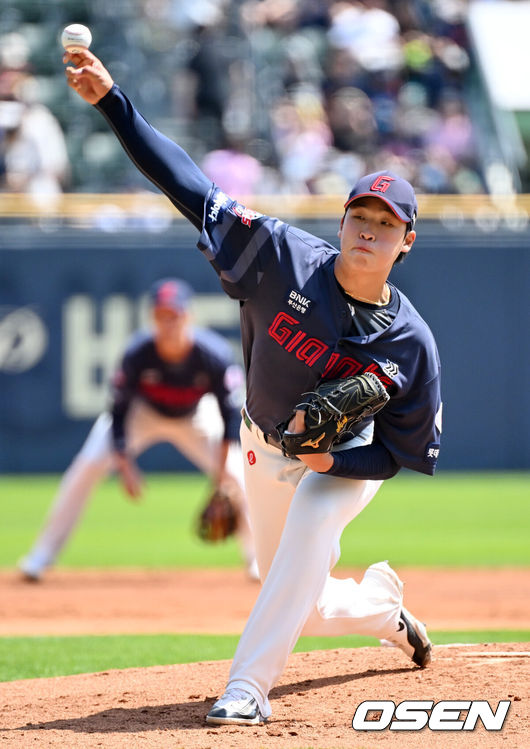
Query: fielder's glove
[219, 518]
[331, 410]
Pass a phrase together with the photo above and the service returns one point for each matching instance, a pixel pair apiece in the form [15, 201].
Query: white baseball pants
[298, 517]
[197, 436]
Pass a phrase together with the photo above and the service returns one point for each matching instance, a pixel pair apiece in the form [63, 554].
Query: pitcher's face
[372, 236]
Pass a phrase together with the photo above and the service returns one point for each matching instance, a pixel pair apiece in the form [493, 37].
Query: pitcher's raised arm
[161, 160]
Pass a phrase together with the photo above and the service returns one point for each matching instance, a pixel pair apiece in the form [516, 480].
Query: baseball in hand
[76, 38]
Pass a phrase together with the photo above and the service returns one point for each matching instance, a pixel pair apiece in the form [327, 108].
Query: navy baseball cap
[172, 293]
[395, 191]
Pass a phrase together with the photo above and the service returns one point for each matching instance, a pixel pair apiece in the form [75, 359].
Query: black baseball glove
[219, 517]
[330, 411]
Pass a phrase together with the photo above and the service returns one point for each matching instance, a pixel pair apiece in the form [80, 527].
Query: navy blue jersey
[175, 388]
[296, 321]
[297, 329]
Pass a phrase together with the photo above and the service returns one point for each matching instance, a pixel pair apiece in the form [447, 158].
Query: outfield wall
[69, 299]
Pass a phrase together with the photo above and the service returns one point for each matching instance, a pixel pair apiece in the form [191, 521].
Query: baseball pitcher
[311, 314]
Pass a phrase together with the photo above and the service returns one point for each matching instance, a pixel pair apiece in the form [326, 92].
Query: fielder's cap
[395, 191]
[172, 293]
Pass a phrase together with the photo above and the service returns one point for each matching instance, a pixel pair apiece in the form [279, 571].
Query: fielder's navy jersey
[175, 388]
[296, 321]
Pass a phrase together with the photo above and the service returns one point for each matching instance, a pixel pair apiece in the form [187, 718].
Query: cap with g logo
[395, 191]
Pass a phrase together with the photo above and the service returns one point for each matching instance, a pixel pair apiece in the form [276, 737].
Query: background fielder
[176, 384]
[308, 312]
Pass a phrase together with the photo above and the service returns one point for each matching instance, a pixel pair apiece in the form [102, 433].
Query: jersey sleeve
[239, 243]
[124, 385]
[410, 427]
[404, 437]
[161, 160]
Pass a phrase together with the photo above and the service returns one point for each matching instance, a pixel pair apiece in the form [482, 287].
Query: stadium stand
[269, 96]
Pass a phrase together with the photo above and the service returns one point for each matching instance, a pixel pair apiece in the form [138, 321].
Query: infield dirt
[316, 697]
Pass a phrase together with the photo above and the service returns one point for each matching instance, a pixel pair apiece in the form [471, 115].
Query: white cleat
[412, 638]
[235, 707]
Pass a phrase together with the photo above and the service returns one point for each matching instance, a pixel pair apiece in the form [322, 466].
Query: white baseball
[76, 37]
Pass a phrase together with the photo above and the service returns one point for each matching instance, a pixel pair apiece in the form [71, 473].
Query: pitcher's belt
[252, 427]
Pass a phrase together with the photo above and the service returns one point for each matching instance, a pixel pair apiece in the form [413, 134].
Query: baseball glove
[219, 517]
[331, 410]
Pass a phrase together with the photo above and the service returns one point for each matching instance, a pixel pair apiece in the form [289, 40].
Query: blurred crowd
[268, 96]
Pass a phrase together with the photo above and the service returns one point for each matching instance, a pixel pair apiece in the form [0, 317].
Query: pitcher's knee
[316, 515]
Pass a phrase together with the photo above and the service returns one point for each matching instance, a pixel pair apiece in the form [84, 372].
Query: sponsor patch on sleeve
[219, 201]
[432, 451]
[247, 215]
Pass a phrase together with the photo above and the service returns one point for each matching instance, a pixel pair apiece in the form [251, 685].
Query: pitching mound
[313, 704]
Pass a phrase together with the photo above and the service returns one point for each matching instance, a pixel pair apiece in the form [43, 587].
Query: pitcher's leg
[234, 470]
[309, 547]
[270, 482]
[370, 607]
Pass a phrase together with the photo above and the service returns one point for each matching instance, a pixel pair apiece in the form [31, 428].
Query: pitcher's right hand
[89, 77]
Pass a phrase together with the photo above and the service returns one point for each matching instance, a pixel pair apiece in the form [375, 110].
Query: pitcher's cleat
[411, 637]
[235, 707]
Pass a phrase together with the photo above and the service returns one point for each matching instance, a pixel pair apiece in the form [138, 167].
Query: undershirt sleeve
[366, 462]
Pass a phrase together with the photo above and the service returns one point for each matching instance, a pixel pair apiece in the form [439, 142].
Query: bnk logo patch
[299, 302]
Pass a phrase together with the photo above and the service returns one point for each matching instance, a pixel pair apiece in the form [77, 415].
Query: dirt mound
[313, 704]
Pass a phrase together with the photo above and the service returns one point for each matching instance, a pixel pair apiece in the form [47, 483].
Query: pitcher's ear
[410, 238]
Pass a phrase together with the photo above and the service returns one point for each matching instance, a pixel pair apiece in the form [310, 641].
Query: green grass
[115, 532]
[35, 657]
[453, 519]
